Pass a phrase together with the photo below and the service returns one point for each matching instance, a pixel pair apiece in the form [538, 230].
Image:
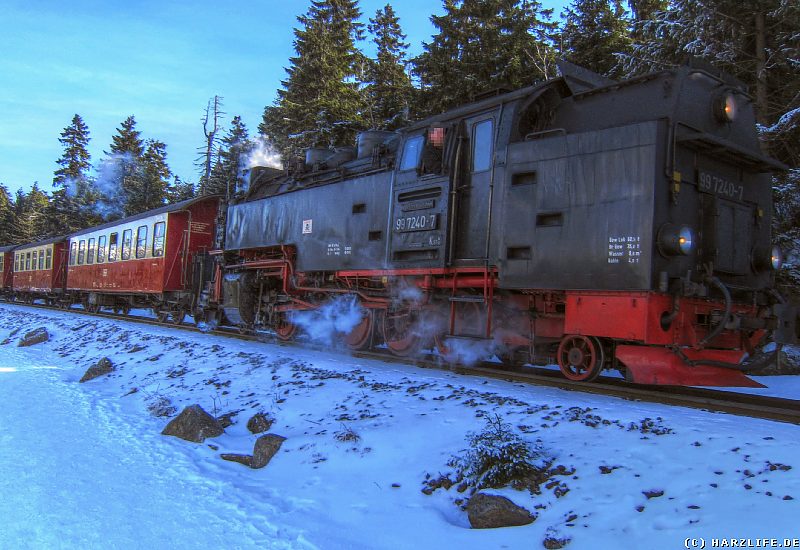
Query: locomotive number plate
[421, 222]
[712, 183]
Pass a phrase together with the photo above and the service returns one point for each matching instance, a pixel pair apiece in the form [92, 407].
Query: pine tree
[594, 33]
[210, 150]
[179, 190]
[6, 216]
[484, 45]
[30, 216]
[389, 88]
[74, 197]
[121, 172]
[236, 146]
[149, 190]
[320, 103]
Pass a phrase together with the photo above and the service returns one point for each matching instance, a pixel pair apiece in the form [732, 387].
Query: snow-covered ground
[85, 466]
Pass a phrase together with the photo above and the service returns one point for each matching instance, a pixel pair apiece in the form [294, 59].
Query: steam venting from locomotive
[326, 324]
[264, 154]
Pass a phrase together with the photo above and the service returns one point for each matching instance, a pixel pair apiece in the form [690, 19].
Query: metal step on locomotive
[592, 223]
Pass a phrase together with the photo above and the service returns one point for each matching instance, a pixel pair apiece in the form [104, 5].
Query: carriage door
[473, 196]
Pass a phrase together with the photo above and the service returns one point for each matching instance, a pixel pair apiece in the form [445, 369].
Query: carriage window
[90, 257]
[158, 239]
[141, 241]
[81, 252]
[101, 249]
[112, 247]
[482, 138]
[27, 261]
[73, 252]
[411, 152]
[41, 260]
[127, 241]
[35, 258]
[48, 259]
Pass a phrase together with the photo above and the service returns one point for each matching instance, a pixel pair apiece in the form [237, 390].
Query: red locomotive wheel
[285, 329]
[580, 357]
[360, 337]
[398, 332]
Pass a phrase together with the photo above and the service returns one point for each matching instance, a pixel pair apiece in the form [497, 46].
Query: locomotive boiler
[591, 223]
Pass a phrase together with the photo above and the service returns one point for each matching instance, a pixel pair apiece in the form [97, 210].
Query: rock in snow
[36, 336]
[490, 511]
[265, 448]
[102, 367]
[193, 424]
[259, 423]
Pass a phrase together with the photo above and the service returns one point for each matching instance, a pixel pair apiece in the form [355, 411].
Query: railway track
[754, 406]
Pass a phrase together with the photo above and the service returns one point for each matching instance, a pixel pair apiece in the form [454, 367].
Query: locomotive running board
[660, 366]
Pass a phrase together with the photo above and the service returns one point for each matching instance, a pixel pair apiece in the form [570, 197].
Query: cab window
[101, 249]
[81, 252]
[112, 247]
[411, 153]
[141, 241]
[90, 256]
[48, 259]
[127, 241]
[158, 239]
[482, 145]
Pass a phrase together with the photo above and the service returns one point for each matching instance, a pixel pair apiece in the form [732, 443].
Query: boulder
[102, 367]
[259, 423]
[247, 460]
[265, 448]
[36, 336]
[491, 511]
[193, 424]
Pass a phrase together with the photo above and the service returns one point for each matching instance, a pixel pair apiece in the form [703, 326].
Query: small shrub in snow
[347, 435]
[160, 406]
[498, 457]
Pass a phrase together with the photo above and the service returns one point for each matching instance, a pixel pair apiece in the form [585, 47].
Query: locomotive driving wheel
[399, 334]
[580, 357]
[284, 328]
[360, 337]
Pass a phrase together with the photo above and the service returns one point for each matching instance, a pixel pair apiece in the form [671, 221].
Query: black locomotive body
[601, 224]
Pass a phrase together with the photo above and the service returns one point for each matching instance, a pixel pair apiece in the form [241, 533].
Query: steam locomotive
[591, 223]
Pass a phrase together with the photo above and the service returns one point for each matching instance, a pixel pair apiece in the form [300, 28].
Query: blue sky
[157, 60]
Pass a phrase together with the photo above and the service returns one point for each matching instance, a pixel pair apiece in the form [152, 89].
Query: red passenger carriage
[6, 269]
[39, 271]
[143, 260]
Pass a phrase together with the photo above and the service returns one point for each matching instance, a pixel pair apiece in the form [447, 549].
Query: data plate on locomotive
[708, 182]
[420, 222]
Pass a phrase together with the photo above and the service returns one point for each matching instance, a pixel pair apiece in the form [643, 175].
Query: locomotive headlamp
[776, 258]
[675, 240]
[725, 107]
[764, 260]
